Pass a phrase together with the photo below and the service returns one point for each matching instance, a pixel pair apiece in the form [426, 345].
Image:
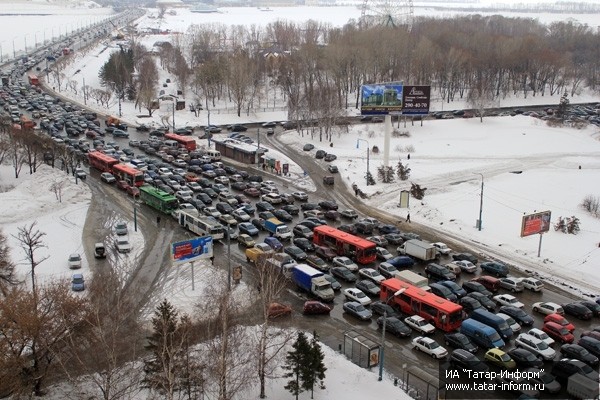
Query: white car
[272, 198]
[122, 244]
[540, 334]
[419, 324]
[532, 284]
[300, 196]
[547, 307]
[442, 248]
[353, 294]
[508, 300]
[466, 266]
[429, 346]
[372, 274]
[74, 261]
[345, 262]
[516, 328]
[535, 345]
[240, 215]
[383, 253]
[121, 228]
[211, 211]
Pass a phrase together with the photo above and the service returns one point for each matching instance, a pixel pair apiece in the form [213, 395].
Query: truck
[259, 253]
[282, 262]
[414, 279]
[582, 387]
[278, 229]
[312, 280]
[418, 249]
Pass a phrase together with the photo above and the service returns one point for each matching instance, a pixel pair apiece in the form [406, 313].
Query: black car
[291, 209]
[335, 285]
[485, 301]
[438, 272]
[224, 208]
[308, 206]
[204, 198]
[259, 223]
[343, 273]
[381, 308]
[525, 358]
[283, 215]
[320, 154]
[518, 315]
[394, 326]
[460, 341]
[348, 228]
[564, 368]
[387, 229]
[328, 205]
[295, 252]
[465, 256]
[304, 244]
[368, 287]
[590, 344]
[394, 238]
[471, 287]
[264, 206]
[266, 215]
[309, 224]
[469, 304]
[592, 306]
[577, 310]
[579, 353]
[237, 128]
[462, 359]
[330, 157]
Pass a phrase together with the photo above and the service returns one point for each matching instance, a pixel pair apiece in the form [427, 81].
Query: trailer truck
[312, 280]
[278, 229]
[418, 249]
[414, 279]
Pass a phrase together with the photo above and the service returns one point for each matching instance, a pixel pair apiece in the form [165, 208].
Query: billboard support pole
[386, 140]
[540, 244]
[192, 275]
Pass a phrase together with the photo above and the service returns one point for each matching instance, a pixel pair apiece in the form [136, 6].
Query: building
[239, 151]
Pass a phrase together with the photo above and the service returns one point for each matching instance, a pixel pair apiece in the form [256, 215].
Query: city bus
[188, 142]
[345, 244]
[201, 225]
[129, 174]
[33, 80]
[102, 162]
[442, 313]
[157, 199]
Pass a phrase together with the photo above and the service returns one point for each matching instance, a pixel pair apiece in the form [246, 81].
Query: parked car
[532, 284]
[465, 256]
[74, 261]
[579, 353]
[590, 344]
[313, 307]
[368, 287]
[335, 285]
[540, 334]
[455, 288]
[485, 301]
[343, 261]
[592, 306]
[381, 308]
[566, 367]
[122, 244]
[577, 310]
[429, 346]
[442, 248]
[460, 341]
[494, 268]
[371, 274]
[559, 319]
[357, 310]
[77, 283]
[383, 254]
[462, 359]
[325, 253]
[536, 346]
[465, 266]
[525, 358]
[518, 314]
[278, 310]
[471, 287]
[343, 273]
[419, 324]
[394, 326]
[387, 270]
[295, 252]
[508, 300]
[547, 307]
[500, 358]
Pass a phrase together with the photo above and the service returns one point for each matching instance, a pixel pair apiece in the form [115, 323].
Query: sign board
[381, 98]
[535, 223]
[192, 249]
[404, 199]
[286, 168]
[415, 100]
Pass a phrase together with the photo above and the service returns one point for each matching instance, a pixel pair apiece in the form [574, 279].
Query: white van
[171, 144]
[214, 155]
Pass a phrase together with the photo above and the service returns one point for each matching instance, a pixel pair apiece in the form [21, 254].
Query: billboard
[415, 100]
[192, 249]
[535, 223]
[381, 98]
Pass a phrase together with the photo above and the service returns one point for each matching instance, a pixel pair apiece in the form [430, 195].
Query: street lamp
[14, 52]
[381, 356]
[368, 147]
[480, 202]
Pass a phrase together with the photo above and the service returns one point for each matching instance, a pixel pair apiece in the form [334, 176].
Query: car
[237, 128]
[394, 238]
[518, 314]
[438, 272]
[107, 177]
[590, 344]
[540, 334]
[387, 270]
[308, 206]
[429, 346]
[371, 274]
[329, 157]
[494, 268]
[122, 244]
[442, 248]
[74, 261]
[463, 360]
[485, 301]
[385, 229]
[579, 353]
[328, 205]
[564, 368]
[313, 307]
[278, 310]
[460, 341]
[465, 256]
[320, 154]
[121, 228]
[357, 310]
[378, 240]
[343, 273]
[300, 196]
[332, 169]
[368, 287]
[348, 213]
[295, 252]
[80, 174]
[455, 269]
[394, 326]
[335, 285]
[455, 288]
[252, 192]
[465, 266]
[558, 332]
[77, 283]
[510, 321]
[228, 220]
[443, 292]
[240, 215]
[469, 304]
[308, 147]
[381, 308]
[544, 379]
[325, 253]
[535, 345]
[264, 206]
[246, 240]
[508, 300]
[419, 324]
[547, 307]
[212, 212]
[532, 284]
[577, 310]
[476, 287]
[302, 231]
[511, 283]
[525, 358]
[99, 250]
[559, 319]
[272, 198]
[592, 306]
[489, 282]
[383, 254]
[499, 358]
[357, 295]
[317, 262]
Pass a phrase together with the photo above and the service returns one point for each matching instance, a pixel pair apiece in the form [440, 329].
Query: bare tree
[15, 151]
[31, 241]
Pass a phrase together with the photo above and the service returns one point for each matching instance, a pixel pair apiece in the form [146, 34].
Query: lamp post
[479, 223]
[25, 40]
[382, 352]
[368, 147]
[14, 52]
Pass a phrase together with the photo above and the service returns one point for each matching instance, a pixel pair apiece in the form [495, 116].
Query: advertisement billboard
[192, 249]
[415, 100]
[381, 98]
[535, 223]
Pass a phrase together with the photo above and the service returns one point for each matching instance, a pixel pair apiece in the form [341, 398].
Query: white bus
[201, 225]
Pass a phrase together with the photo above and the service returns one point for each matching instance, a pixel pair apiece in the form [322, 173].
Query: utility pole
[480, 203]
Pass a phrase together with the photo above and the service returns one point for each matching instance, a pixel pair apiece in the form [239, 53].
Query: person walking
[158, 220]
[408, 217]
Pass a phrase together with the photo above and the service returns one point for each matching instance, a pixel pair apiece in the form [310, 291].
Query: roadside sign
[381, 98]
[415, 100]
[535, 223]
[192, 249]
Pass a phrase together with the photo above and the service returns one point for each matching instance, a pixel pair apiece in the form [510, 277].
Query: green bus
[158, 199]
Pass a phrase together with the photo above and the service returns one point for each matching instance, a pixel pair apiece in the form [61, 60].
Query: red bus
[442, 313]
[101, 161]
[134, 177]
[184, 141]
[345, 244]
[33, 80]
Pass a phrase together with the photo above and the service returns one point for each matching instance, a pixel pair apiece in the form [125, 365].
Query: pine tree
[402, 171]
[296, 363]
[389, 175]
[560, 225]
[573, 225]
[370, 179]
[314, 373]
[561, 112]
[381, 173]
[417, 192]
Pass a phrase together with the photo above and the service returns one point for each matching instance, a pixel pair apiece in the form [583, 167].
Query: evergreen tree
[402, 171]
[370, 179]
[381, 173]
[560, 225]
[573, 225]
[314, 371]
[416, 191]
[561, 112]
[296, 364]
[389, 175]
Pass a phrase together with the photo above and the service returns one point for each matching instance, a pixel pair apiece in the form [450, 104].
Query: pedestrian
[356, 191]
[408, 218]
[408, 157]
[158, 220]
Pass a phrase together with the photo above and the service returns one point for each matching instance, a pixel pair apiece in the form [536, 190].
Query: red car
[558, 332]
[559, 319]
[252, 192]
[277, 310]
[133, 191]
[312, 307]
[122, 185]
[489, 282]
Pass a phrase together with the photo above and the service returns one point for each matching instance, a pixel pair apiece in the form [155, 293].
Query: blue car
[248, 228]
[77, 283]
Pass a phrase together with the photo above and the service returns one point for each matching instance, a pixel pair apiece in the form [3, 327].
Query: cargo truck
[278, 229]
[418, 249]
[414, 279]
[312, 280]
